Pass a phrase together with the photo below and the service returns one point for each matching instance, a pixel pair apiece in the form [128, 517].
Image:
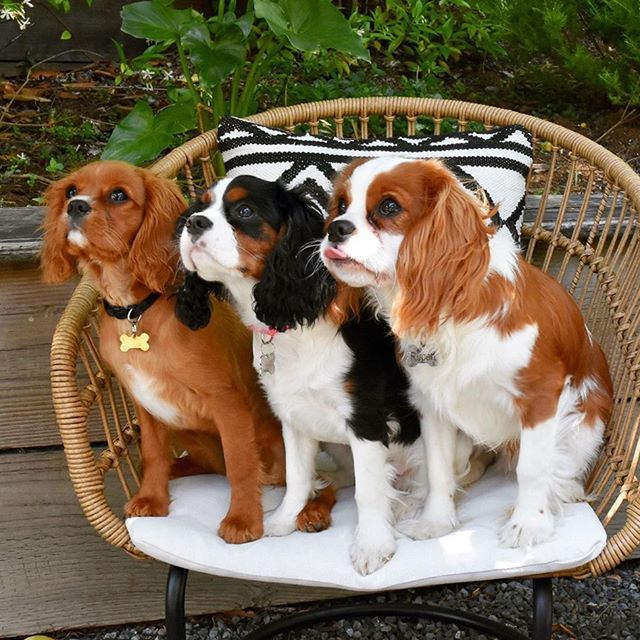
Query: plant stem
[249, 86]
[252, 77]
[184, 64]
[235, 88]
[220, 10]
[218, 102]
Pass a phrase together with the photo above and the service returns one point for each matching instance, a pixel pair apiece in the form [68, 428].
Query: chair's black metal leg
[542, 609]
[174, 603]
[424, 611]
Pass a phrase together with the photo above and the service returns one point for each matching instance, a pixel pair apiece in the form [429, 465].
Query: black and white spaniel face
[253, 229]
[232, 228]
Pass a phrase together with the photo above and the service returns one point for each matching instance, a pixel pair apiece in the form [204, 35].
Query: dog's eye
[244, 211]
[389, 207]
[118, 195]
[72, 192]
[342, 207]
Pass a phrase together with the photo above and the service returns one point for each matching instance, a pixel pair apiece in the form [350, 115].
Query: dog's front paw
[316, 514]
[279, 524]
[238, 529]
[526, 527]
[371, 550]
[141, 505]
[424, 529]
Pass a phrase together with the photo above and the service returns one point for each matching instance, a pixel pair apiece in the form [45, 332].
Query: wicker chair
[587, 236]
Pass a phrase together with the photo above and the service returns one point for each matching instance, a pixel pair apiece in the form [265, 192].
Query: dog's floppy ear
[193, 300]
[295, 287]
[443, 258]
[56, 262]
[153, 253]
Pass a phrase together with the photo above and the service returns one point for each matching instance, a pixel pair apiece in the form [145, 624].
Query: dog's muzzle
[340, 230]
[77, 209]
[196, 225]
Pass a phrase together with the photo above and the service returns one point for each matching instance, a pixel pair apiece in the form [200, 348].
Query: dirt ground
[57, 120]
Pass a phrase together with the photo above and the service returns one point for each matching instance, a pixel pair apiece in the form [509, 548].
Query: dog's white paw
[279, 524]
[371, 550]
[424, 529]
[526, 527]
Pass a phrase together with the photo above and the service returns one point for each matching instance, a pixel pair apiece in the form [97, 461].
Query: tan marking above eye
[237, 193]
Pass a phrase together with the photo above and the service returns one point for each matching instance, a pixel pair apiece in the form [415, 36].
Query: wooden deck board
[29, 311]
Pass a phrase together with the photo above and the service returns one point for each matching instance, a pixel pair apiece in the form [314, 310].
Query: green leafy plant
[54, 166]
[426, 36]
[222, 60]
[587, 51]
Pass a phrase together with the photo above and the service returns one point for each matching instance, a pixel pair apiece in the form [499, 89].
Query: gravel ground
[605, 608]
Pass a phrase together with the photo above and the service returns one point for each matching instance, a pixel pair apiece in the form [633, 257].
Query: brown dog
[116, 222]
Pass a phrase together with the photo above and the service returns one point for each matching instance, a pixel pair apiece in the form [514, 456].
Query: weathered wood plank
[20, 233]
[29, 311]
[57, 573]
[27, 418]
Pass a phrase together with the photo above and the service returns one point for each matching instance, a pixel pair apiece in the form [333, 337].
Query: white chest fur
[474, 383]
[149, 393]
[306, 388]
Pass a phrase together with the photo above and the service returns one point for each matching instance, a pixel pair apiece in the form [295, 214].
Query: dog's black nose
[339, 230]
[196, 225]
[78, 208]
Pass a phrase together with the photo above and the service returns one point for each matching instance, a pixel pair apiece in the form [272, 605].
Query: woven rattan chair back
[581, 226]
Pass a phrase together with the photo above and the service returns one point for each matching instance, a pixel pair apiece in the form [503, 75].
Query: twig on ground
[626, 117]
[30, 176]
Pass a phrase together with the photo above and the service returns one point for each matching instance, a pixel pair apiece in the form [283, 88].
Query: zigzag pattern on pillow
[495, 162]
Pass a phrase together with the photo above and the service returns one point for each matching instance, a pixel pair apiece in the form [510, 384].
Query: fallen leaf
[67, 95]
[79, 85]
[27, 94]
[566, 630]
[105, 74]
[41, 74]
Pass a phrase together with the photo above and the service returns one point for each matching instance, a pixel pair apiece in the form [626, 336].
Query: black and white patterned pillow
[497, 161]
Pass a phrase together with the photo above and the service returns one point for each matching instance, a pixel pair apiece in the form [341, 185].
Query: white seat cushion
[187, 538]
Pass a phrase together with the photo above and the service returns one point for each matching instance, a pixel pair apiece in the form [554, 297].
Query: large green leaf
[154, 20]
[311, 25]
[214, 59]
[176, 118]
[138, 137]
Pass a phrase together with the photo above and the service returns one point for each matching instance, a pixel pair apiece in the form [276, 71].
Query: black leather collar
[131, 312]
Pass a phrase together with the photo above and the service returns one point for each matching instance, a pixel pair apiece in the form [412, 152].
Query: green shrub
[587, 51]
[426, 37]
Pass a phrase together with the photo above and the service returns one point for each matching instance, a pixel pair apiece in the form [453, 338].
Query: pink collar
[267, 331]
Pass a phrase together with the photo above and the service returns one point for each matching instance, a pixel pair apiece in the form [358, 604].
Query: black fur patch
[193, 298]
[379, 384]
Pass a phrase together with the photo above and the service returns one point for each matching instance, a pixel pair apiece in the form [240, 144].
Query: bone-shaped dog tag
[419, 354]
[135, 341]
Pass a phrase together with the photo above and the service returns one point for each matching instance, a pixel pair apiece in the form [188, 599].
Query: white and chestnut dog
[331, 375]
[492, 345]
